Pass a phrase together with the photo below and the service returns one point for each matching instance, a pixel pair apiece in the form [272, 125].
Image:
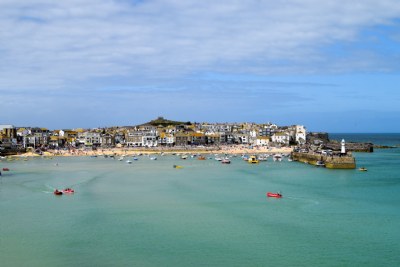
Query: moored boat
[276, 195]
[226, 161]
[277, 157]
[320, 163]
[6, 169]
[178, 167]
[363, 169]
[201, 158]
[253, 160]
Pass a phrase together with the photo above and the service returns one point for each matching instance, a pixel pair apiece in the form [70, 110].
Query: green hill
[165, 122]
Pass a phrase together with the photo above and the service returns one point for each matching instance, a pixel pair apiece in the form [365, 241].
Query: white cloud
[58, 43]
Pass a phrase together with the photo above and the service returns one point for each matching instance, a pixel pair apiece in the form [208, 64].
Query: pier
[338, 161]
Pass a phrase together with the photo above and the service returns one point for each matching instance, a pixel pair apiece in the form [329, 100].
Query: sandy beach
[232, 149]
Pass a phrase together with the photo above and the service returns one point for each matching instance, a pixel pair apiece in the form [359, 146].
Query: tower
[343, 149]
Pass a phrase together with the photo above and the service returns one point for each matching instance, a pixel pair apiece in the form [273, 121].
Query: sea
[205, 214]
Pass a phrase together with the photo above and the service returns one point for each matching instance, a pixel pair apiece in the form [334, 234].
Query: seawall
[331, 162]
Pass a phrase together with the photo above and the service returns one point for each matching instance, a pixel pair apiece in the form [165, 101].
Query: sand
[232, 149]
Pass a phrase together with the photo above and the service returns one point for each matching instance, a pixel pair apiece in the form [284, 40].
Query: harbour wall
[331, 162]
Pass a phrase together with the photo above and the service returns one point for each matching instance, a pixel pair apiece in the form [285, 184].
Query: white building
[282, 138]
[301, 134]
[262, 141]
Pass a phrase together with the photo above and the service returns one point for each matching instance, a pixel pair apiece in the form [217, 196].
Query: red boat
[58, 193]
[68, 191]
[277, 195]
[6, 169]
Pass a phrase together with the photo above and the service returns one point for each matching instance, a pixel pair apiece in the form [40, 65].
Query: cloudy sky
[331, 65]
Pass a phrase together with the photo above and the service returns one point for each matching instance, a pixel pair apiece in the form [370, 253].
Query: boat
[363, 169]
[201, 158]
[121, 159]
[178, 167]
[184, 157]
[128, 161]
[135, 158]
[57, 192]
[263, 158]
[218, 159]
[290, 159]
[277, 157]
[226, 161]
[6, 169]
[153, 158]
[320, 163]
[68, 191]
[276, 195]
[253, 160]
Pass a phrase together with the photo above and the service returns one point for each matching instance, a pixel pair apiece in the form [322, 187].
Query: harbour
[149, 213]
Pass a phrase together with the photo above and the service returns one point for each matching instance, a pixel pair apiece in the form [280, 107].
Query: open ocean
[207, 214]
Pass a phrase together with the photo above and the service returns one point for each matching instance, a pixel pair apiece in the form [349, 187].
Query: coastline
[233, 149]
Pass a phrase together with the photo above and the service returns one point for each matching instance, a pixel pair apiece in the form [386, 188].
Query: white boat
[184, 157]
[320, 163]
[153, 158]
[290, 159]
[277, 157]
[262, 158]
[128, 161]
[218, 159]
[226, 161]
[121, 159]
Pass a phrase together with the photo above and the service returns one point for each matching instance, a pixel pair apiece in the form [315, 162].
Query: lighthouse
[343, 149]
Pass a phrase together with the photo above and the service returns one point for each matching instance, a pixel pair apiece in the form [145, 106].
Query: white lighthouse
[343, 150]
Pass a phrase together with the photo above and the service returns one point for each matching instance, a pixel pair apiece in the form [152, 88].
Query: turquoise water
[206, 214]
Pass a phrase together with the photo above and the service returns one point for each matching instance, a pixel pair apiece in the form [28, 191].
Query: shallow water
[207, 214]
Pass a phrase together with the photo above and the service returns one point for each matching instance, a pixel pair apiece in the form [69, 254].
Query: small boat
[57, 193]
[178, 167]
[363, 169]
[253, 160]
[135, 158]
[121, 159]
[218, 159]
[320, 163]
[226, 161]
[153, 158]
[184, 157]
[201, 158]
[277, 157]
[290, 159]
[68, 191]
[263, 158]
[6, 169]
[276, 195]
[128, 161]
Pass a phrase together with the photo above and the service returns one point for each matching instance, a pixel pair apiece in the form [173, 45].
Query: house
[282, 138]
[262, 141]
[134, 138]
[182, 139]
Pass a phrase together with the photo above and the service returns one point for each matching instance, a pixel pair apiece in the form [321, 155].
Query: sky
[330, 65]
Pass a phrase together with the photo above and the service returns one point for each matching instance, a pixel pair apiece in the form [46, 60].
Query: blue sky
[329, 65]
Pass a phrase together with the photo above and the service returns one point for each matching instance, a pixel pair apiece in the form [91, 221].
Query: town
[156, 133]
